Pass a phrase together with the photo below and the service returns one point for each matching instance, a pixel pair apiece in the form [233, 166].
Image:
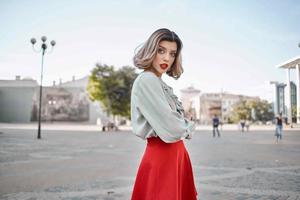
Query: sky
[231, 46]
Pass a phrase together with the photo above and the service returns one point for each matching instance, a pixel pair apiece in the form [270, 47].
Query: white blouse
[156, 111]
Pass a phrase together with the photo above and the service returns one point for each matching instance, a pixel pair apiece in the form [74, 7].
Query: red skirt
[165, 173]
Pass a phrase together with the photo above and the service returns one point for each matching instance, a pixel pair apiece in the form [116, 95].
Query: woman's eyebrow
[161, 47]
[166, 48]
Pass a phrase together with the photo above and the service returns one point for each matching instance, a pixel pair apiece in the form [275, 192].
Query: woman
[165, 172]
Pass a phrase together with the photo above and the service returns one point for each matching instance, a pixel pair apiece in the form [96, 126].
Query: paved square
[73, 165]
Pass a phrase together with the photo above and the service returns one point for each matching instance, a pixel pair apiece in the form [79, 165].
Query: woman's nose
[166, 57]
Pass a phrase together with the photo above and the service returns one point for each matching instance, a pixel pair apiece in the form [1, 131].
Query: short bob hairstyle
[144, 57]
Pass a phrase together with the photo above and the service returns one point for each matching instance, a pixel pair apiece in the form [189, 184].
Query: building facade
[280, 98]
[190, 98]
[63, 102]
[292, 64]
[16, 100]
[220, 104]
[203, 106]
[293, 95]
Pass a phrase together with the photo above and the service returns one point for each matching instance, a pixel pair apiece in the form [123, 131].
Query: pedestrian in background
[165, 171]
[278, 130]
[242, 123]
[216, 123]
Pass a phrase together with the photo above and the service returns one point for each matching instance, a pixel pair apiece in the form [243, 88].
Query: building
[293, 95]
[17, 100]
[202, 107]
[293, 63]
[190, 98]
[220, 104]
[279, 98]
[67, 101]
[80, 108]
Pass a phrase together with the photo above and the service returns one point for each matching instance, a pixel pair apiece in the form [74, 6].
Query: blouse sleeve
[168, 124]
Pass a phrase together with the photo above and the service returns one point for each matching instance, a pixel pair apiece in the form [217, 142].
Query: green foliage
[264, 111]
[240, 111]
[252, 110]
[112, 88]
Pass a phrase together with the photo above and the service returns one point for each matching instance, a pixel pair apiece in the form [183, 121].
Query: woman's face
[164, 57]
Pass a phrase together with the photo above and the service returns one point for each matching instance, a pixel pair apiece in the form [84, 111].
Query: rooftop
[290, 64]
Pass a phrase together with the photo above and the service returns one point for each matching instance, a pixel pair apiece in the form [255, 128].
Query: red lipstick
[164, 66]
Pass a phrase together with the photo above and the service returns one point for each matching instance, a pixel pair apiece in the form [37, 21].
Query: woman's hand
[188, 137]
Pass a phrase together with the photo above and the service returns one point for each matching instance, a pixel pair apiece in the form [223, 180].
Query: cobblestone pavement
[73, 165]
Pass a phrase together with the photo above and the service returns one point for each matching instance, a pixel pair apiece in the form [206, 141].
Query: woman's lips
[163, 66]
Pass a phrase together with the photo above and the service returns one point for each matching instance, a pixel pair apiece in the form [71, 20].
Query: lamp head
[53, 43]
[44, 38]
[33, 41]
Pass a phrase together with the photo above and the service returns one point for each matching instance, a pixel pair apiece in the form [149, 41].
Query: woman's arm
[168, 124]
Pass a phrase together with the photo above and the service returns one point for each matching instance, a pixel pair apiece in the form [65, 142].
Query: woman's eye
[161, 51]
[173, 55]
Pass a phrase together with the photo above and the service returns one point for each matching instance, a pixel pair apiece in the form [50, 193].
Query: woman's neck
[151, 69]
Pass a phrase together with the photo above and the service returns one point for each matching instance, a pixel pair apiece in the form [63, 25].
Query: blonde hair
[145, 55]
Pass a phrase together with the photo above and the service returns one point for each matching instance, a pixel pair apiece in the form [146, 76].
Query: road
[73, 165]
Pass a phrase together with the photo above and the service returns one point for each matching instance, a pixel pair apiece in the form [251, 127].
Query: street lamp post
[43, 49]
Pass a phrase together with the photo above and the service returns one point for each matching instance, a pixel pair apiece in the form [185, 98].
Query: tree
[263, 111]
[112, 88]
[252, 110]
[122, 95]
[240, 111]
